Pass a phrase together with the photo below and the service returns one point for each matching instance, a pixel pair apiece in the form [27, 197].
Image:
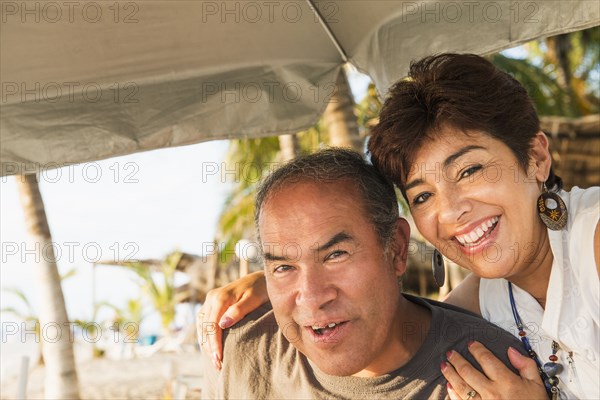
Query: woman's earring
[438, 267]
[552, 210]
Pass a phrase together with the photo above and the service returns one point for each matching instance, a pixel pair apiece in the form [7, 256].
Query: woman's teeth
[471, 238]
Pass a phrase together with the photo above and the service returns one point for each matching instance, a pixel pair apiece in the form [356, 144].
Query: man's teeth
[317, 327]
[477, 233]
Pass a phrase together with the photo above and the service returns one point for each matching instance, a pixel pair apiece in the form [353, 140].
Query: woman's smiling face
[475, 203]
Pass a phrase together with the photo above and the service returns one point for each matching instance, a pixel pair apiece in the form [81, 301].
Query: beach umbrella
[87, 80]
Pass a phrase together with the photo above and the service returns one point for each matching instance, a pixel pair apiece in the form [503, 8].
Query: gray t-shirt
[260, 363]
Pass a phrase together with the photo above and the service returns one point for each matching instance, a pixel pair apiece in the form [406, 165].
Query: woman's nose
[452, 205]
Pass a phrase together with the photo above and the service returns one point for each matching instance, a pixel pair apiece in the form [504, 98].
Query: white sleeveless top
[572, 313]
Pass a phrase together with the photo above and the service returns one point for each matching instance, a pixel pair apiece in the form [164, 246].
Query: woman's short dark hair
[460, 91]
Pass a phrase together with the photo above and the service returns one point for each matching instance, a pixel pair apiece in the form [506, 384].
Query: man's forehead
[309, 214]
[310, 203]
[345, 186]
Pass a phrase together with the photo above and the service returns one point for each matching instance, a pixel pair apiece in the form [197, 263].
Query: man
[335, 249]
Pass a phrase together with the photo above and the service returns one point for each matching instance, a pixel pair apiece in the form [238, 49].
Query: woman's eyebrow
[447, 162]
[453, 157]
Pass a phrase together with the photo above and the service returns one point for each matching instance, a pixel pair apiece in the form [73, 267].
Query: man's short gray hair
[335, 165]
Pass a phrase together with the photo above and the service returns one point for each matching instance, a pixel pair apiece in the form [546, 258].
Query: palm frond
[70, 273]
[547, 94]
[21, 295]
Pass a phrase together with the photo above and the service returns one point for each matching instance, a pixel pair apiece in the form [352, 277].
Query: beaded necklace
[549, 370]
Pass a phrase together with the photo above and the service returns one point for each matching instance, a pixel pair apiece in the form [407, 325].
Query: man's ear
[539, 157]
[400, 246]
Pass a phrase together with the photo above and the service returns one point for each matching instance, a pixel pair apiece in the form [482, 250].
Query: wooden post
[23, 375]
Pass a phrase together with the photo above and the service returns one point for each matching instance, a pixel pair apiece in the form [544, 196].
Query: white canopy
[86, 80]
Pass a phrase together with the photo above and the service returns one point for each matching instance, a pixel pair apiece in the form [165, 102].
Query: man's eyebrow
[338, 238]
[449, 160]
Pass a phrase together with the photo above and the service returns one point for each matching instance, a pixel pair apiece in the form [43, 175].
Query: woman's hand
[467, 383]
[225, 307]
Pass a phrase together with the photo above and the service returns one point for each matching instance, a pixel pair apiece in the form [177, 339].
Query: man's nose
[316, 290]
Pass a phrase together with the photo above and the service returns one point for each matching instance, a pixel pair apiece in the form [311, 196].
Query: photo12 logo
[265, 91]
[53, 12]
[91, 252]
[470, 11]
[52, 332]
[269, 11]
[71, 92]
[90, 172]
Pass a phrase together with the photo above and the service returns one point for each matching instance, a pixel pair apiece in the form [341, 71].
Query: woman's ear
[539, 157]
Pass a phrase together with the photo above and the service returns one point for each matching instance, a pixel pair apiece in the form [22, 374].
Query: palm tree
[340, 121]
[288, 147]
[29, 316]
[571, 58]
[61, 374]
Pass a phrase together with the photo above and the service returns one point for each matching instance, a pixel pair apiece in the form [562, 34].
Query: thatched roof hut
[575, 147]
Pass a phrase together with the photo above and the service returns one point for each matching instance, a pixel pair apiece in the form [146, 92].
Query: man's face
[334, 292]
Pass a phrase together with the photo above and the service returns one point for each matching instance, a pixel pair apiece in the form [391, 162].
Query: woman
[462, 141]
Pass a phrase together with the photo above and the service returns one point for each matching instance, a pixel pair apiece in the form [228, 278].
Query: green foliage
[367, 110]
[27, 315]
[313, 138]
[129, 318]
[70, 273]
[91, 327]
[561, 73]
[159, 288]
[548, 96]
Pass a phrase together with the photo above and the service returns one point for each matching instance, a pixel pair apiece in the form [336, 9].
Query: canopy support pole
[328, 30]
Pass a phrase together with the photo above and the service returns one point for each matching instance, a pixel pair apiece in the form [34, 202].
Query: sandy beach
[159, 376]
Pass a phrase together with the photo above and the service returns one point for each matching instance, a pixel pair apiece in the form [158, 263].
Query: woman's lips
[475, 241]
[479, 232]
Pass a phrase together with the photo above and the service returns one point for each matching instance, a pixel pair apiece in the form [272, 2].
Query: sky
[142, 205]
